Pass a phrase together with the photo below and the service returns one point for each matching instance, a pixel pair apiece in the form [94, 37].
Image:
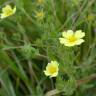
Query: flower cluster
[69, 38]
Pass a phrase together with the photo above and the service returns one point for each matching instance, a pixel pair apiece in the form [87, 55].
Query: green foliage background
[28, 43]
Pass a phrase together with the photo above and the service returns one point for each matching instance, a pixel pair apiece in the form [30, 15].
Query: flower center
[72, 39]
[52, 69]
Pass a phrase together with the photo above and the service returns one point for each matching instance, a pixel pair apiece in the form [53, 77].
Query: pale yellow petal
[2, 16]
[46, 73]
[64, 34]
[62, 40]
[68, 44]
[14, 9]
[54, 63]
[54, 75]
[80, 41]
[6, 8]
[47, 67]
[67, 34]
[79, 34]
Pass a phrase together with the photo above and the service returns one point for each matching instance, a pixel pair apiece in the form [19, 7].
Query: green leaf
[6, 84]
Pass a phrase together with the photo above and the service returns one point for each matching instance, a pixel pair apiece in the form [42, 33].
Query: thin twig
[54, 11]
[43, 57]
[32, 73]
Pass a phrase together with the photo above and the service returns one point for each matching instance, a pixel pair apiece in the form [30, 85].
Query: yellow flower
[52, 69]
[40, 1]
[71, 39]
[39, 15]
[7, 11]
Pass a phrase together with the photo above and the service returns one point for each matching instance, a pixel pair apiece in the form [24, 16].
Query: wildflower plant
[40, 55]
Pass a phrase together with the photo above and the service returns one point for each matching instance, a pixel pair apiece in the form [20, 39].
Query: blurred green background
[29, 39]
